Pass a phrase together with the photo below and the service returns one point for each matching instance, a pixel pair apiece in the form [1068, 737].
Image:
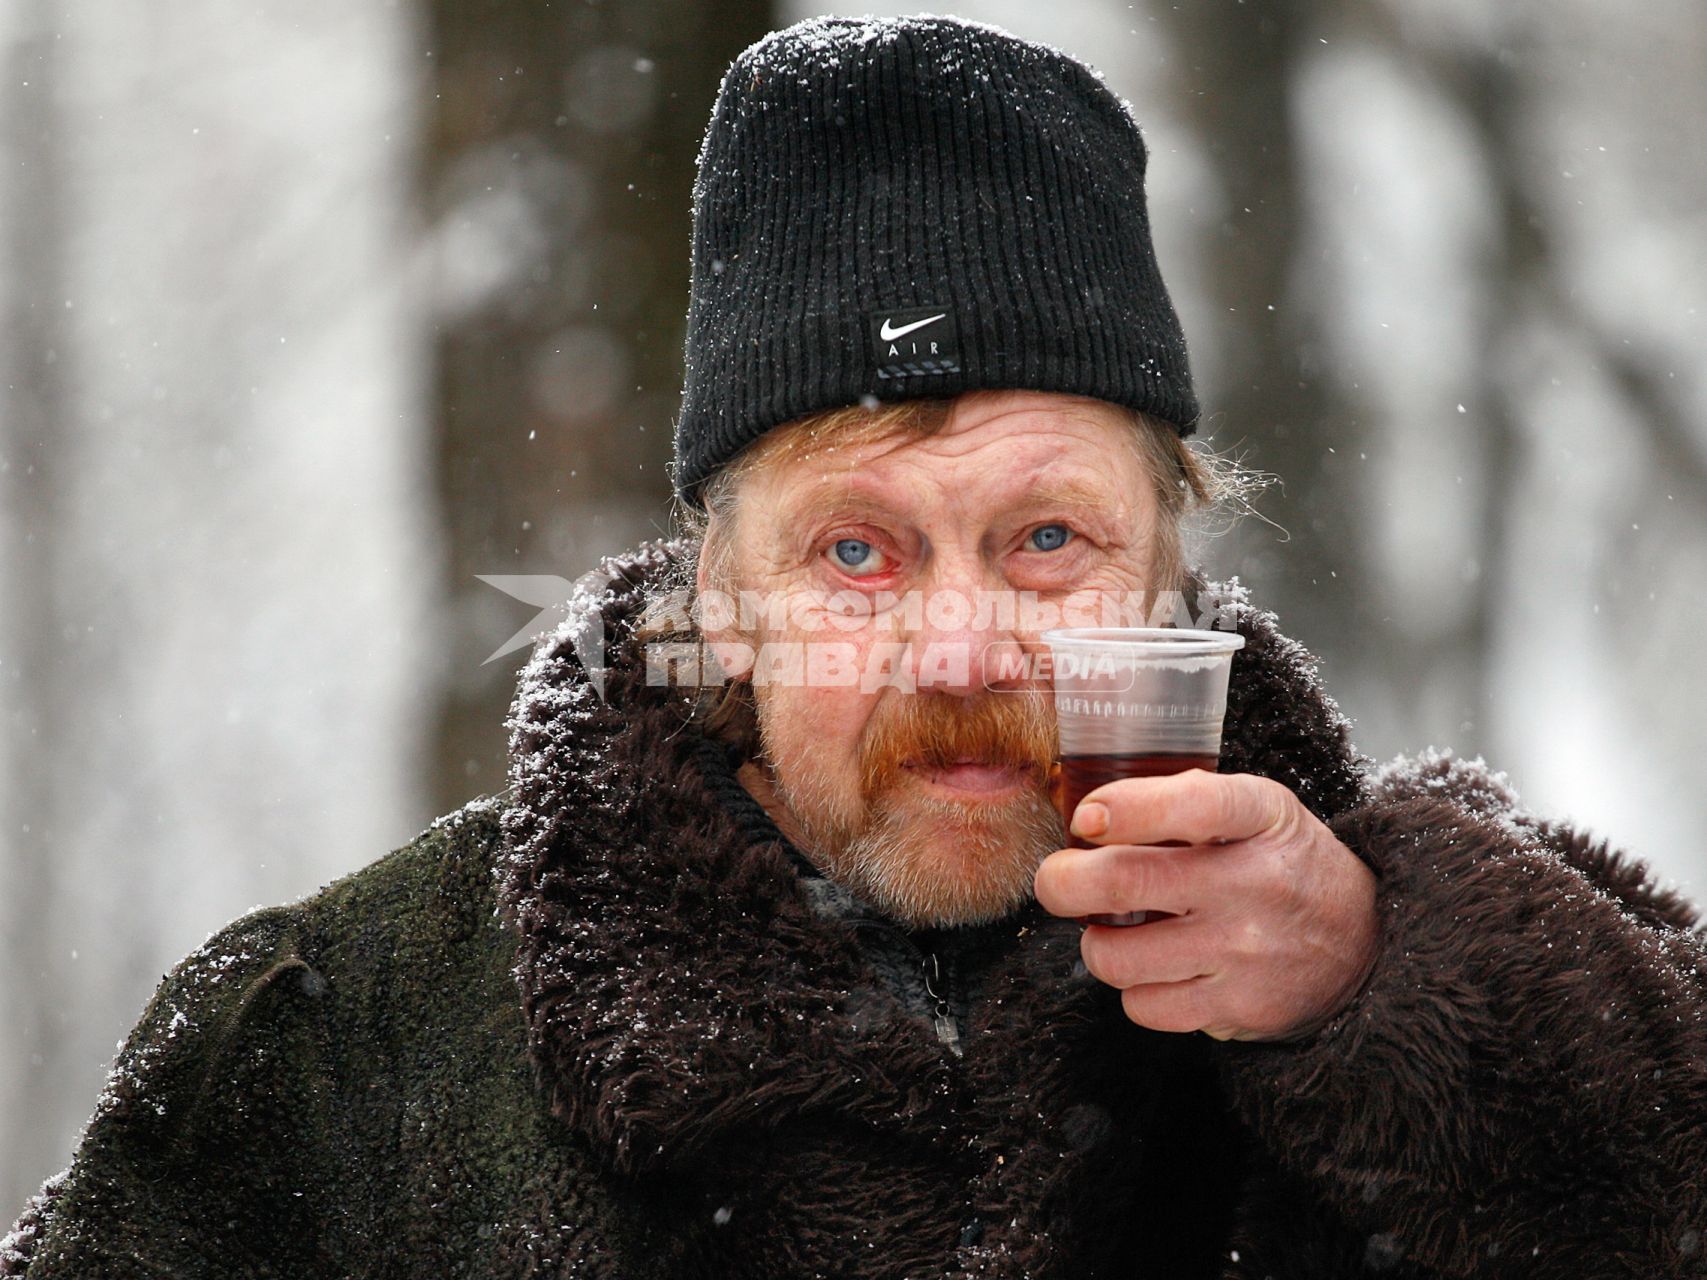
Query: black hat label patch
[913, 342]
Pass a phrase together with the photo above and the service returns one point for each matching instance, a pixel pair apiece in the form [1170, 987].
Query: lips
[968, 774]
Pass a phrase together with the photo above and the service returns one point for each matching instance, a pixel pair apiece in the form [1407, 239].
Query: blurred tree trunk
[559, 175]
[1483, 86]
[1281, 409]
[1292, 407]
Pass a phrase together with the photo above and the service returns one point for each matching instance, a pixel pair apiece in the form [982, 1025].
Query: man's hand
[1273, 926]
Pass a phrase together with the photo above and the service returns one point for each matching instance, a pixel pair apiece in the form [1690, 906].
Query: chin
[962, 866]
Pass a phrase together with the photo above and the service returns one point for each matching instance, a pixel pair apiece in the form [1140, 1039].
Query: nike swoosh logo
[889, 334]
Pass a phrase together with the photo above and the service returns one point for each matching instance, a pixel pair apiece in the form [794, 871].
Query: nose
[966, 641]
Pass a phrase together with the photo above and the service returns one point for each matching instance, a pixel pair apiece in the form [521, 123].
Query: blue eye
[857, 556]
[1050, 537]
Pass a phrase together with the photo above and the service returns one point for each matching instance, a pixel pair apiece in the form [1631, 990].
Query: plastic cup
[1135, 702]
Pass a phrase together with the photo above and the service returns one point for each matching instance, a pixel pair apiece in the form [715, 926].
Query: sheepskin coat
[604, 1025]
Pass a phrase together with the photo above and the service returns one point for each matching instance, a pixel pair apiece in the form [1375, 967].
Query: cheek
[826, 680]
[833, 667]
[1116, 581]
[1126, 573]
[815, 724]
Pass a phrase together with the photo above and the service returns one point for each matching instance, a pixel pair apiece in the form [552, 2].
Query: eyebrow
[1071, 493]
[1060, 492]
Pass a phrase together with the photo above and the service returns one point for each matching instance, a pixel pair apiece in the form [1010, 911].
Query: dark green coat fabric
[598, 1026]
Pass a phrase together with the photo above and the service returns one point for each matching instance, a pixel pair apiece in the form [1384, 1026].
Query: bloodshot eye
[1050, 537]
[857, 556]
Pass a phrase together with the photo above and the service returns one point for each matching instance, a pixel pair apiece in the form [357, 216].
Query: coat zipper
[942, 1005]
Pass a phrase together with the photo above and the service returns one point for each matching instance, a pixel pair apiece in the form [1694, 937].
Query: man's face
[869, 562]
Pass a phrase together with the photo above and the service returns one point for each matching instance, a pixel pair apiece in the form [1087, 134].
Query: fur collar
[679, 990]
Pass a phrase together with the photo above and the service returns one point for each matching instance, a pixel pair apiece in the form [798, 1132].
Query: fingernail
[1090, 819]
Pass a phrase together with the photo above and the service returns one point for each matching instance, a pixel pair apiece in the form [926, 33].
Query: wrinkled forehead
[1001, 463]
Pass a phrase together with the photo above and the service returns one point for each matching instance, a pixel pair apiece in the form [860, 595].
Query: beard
[925, 859]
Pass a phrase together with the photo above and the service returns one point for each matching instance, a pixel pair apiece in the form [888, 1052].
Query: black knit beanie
[899, 207]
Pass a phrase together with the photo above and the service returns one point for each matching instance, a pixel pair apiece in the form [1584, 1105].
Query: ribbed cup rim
[1161, 642]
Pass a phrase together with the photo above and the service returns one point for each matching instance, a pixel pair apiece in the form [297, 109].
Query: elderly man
[778, 973]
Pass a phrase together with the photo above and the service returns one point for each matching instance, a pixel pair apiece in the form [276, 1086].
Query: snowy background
[314, 312]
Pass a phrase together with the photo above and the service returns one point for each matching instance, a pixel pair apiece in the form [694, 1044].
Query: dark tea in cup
[1075, 777]
[1135, 702]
